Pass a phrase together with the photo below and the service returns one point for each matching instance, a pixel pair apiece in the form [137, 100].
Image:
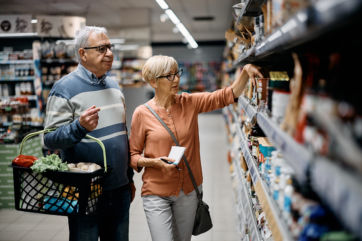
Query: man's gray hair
[81, 37]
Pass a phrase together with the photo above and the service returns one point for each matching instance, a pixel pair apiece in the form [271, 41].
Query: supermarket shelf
[251, 8]
[295, 154]
[279, 227]
[306, 25]
[346, 148]
[23, 78]
[58, 61]
[325, 174]
[27, 123]
[248, 55]
[20, 61]
[246, 204]
[341, 190]
[248, 108]
[30, 97]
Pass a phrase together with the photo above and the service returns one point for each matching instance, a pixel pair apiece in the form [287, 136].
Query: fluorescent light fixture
[162, 4]
[34, 20]
[172, 16]
[187, 35]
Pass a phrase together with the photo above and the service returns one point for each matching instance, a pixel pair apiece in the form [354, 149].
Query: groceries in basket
[50, 162]
[50, 186]
[83, 167]
[61, 205]
[24, 160]
[53, 163]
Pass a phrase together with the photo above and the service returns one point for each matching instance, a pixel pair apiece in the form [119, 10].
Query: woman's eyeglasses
[101, 48]
[171, 77]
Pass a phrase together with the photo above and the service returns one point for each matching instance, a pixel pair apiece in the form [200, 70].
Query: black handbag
[203, 222]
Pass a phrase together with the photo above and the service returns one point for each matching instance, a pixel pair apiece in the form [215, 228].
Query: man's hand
[89, 118]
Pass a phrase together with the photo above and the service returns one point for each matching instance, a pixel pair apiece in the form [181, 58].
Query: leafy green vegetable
[50, 162]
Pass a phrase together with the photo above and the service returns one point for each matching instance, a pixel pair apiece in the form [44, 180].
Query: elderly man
[87, 101]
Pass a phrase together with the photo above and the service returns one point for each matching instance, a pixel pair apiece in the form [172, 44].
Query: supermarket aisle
[21, 226]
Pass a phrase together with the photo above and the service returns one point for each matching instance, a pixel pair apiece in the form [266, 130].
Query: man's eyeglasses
[171, 77]
[101, 48]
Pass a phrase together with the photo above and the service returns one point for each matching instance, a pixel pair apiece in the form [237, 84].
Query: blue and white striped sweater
[72, 95]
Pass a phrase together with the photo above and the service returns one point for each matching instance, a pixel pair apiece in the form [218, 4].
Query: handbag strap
[199, 195]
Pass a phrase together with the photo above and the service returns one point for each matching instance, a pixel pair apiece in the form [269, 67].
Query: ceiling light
[162, 4]
[163, 17]
[172, 16]
[175, 30]
[187, 35]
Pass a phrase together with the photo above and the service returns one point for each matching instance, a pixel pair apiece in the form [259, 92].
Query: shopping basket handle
[103, 149]
[100, 143]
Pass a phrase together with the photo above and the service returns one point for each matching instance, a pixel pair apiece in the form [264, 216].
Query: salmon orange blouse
[149, 138]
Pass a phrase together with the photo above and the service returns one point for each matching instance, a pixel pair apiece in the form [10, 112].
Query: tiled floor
[22, 226]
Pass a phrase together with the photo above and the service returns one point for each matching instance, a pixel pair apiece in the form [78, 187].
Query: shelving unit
[337, 183]
[245, 203]
[20, 61]
[273, 214]
[307, 25]
[325, 173]
[18, 79]
[243, 199]
[13, 74]
[296, 155]
[50, 71]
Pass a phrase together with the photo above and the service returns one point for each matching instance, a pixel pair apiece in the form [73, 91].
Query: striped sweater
[72, 95]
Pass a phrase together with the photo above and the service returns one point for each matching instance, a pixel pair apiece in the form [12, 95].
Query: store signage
[59, 26]
[15, 24]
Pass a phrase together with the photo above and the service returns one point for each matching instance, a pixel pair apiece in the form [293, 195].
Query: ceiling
[136, 19]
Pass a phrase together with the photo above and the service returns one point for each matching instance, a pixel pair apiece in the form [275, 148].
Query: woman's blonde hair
[158, 65]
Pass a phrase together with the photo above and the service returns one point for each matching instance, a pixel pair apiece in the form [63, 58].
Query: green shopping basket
[58, 192]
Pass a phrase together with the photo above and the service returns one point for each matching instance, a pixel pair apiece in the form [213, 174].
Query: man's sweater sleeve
[60, 115]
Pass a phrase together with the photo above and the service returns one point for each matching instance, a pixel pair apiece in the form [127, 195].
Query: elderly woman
[169, 198]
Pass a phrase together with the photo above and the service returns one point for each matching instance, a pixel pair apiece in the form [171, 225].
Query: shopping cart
[58, 192]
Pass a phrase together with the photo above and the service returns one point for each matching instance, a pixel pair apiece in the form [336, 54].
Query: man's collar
[94, 79]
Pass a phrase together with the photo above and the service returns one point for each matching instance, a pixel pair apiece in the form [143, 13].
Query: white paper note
[176, 153]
